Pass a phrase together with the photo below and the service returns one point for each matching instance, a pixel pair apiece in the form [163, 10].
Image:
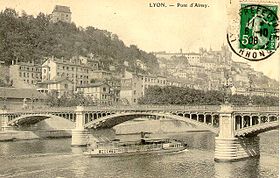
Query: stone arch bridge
[236, 127]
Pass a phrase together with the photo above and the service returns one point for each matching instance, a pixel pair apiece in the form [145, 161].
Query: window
[135, 100]
[134, 92]
[104, 89]
[20, 74]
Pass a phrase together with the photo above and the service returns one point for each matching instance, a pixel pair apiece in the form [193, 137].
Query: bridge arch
[30, 119]
[118, 118]
[257, 129]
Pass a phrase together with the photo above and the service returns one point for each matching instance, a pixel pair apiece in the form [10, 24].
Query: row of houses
[82, 74]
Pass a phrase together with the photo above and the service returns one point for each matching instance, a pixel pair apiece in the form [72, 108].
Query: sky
[152, 28]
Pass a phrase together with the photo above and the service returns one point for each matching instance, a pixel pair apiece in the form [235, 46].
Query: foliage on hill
[172, 95]
[26, 37]
[68, 99]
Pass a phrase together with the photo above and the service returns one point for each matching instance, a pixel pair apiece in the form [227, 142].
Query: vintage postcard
[107, 88]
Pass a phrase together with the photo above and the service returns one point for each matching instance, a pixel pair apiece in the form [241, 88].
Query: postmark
[256, 36]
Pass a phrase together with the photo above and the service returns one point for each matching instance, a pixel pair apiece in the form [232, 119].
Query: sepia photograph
[139, 89]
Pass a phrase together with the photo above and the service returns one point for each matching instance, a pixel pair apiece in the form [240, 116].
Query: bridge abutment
[227, 146]
[4, 121]
[80, 136]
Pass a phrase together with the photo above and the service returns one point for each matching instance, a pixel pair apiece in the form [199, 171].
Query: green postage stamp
[256, 37]
[258, 27]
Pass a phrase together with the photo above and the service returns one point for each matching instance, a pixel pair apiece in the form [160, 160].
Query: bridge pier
[80, 136]
[227, 146]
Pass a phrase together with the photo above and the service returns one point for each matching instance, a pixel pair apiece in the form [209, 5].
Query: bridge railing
[255, 108]
[155, 107]
[41, 109]
[214, 108]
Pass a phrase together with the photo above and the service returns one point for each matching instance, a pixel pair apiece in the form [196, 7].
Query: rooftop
[59, 8]
[71, 62]
[56, 80]
[96, 84]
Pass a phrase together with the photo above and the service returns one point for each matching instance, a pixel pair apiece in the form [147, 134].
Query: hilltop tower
[61, 13]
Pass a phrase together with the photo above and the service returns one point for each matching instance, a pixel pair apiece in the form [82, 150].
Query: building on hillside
[176, 82]
[115, 84]
[57, 85]
[72, 69]
[61, 13]
[96, 75]
[16, 98]
[100, 92]
[131, 88]
[193, 58]
[90, 61]
[25, 74]
[255, 91]
[150, 80]
[133, 85]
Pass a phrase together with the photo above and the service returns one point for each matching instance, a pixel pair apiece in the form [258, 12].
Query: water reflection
[77, 150]
[79, 167]
[245, 168]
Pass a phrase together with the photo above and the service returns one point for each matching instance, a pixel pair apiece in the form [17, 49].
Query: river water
[56, 158]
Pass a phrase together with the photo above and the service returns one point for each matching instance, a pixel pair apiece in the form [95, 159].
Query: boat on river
[142, 146]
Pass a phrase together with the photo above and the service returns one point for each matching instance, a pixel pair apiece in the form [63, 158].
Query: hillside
[25, 37]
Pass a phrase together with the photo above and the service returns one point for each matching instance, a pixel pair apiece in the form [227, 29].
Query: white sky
[152, 29]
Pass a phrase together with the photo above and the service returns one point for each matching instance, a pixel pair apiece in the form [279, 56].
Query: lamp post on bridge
[227, 89]
[250, 90]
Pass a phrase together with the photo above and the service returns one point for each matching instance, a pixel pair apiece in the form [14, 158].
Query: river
[56, 158]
